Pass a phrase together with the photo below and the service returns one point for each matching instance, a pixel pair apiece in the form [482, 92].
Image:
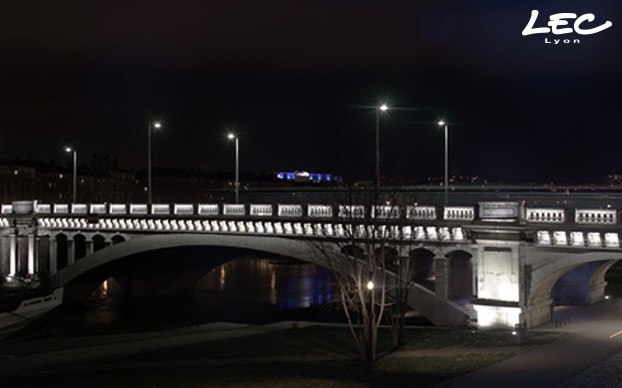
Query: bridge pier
[598, 283]
[538, 312]
[597, 292]
[498, 301]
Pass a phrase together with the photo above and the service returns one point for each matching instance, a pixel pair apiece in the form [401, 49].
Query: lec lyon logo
[559, 21]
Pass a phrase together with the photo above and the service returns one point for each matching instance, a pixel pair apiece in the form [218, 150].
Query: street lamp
[75, 172]
[380, 109]
[370, 322]
[150, 126]
[232, 136]
[446, 183]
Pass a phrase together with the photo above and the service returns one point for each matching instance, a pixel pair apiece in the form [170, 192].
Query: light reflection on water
[242, 290]
[286, 286]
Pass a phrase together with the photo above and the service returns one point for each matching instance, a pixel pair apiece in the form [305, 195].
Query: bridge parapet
[118, 209]
[98, 208]
[421, 212]
[79, 208]
[595, 216]
[462, 213]
[577, 239]
[160, 209]
[183, 208]
[261, 210]
[295, 227]
[489, 212]
[546, 215]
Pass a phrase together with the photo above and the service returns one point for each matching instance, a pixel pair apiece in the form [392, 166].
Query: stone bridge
[495, 263]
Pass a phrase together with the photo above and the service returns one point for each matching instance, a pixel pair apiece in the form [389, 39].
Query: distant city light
[305, 176]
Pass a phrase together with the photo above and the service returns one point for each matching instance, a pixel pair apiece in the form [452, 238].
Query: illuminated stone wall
[498, 274]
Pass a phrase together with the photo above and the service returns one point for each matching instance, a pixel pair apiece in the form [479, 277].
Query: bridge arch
[542, 280]
[459, 275]
[117, 239]
[61, 251]
[79, 246]
[422, 262]
[99, 242]
[277, 245]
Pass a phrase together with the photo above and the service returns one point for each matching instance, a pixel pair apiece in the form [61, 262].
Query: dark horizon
[294, 80]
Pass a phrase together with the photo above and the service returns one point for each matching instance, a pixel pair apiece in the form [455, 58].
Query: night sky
[296, 79]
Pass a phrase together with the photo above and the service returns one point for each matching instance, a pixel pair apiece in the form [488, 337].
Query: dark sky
[293, 78]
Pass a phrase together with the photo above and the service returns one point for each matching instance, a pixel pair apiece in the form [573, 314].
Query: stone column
[4, 255]
[71, 252]
[31, 254]
[441, 270]
[405, 267]
[89, 246]
[597, 291]
[538, 312]
[53, 256]
[22, 253]
[13, 264]
[598, 282]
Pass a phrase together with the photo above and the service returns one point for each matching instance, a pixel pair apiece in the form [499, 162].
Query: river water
[247, 290]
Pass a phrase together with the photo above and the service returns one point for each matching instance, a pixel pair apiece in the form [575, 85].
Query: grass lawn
[243, 361]
[419, 372]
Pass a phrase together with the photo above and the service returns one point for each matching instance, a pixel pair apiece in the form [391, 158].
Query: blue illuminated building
[304, 176]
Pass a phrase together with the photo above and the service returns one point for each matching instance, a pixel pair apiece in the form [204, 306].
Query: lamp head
[383, 107]
[68, 149]
[441, 123]
[231, 136]
[157, 124]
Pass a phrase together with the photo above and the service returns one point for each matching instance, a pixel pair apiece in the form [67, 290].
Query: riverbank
[279, 354]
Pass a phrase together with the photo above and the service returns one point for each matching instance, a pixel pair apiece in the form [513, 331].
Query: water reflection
[103, 306]
[242, 290]
[287, 286]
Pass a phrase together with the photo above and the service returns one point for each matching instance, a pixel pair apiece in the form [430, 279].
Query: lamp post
[380, 109]
[232, 136]
[75, 172]
[150, 126]
[370, 321]
[446, 182]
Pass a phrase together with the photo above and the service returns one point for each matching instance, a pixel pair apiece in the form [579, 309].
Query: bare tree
[400, 284]
[369, 276]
